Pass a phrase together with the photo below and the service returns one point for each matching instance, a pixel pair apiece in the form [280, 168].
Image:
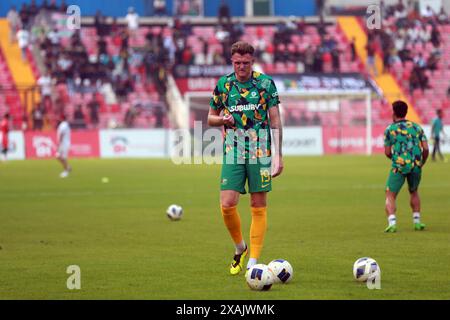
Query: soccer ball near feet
[260, 277]
[282, 270]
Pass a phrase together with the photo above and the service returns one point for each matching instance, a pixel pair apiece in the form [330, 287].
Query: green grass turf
[324, 213]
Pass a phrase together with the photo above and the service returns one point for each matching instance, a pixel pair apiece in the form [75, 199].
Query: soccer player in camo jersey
[406, 144]
[245, 103]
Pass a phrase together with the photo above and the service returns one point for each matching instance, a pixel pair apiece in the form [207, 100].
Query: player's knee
[258, 203]
[228, 203]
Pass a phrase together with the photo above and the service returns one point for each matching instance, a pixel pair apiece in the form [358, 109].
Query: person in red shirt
[4, 127]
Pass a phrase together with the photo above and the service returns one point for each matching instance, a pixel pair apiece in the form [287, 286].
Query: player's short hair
[439, 111]
[6, 116]
[242, 48]
[400, 108]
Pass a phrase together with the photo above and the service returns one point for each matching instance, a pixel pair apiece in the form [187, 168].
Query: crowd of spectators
[315, 57]
[105, 76]
[403, 38]
[111, 77]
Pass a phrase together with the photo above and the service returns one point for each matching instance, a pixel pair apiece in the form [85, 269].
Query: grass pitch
[323, 214]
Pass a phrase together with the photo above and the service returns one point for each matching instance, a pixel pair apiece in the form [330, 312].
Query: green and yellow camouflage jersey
[404, 138]
[248, 103]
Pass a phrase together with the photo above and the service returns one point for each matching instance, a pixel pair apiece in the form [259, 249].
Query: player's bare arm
[215, 119]
[277, 132]
[388, 152]
[425, 152]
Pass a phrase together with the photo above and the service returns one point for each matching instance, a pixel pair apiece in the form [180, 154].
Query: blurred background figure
[23, 38]
[437, 131]
[14, 23]
[4, 130]
[159, 7]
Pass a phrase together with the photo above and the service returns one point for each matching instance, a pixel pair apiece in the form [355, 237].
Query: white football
[365, 267]
[259, 277]
[282, 270]
[174, 212]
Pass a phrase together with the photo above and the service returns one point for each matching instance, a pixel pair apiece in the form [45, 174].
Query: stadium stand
[108, 75]
[416, 51]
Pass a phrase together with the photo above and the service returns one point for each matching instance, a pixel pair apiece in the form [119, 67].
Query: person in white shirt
[23, 38]
[132, 19]
[45, 83]
[63, 139]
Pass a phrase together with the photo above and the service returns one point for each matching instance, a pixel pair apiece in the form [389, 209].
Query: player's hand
[277, 166]
[228, 120]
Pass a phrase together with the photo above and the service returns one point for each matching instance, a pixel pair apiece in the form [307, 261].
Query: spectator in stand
[424, 33]
[24, 15]
[238, 30]
[335, 53]
[432, 62]
[281, 34]
[102, 46]
[38, 117]
[435, 36]
[33, 9]
[124, 40]
[418, 79]
[321, 26]
[428, 14]
[94, 107]
[79, 121]
[370, 47]
[23, 38]
[442, 16]
[63, 7]
[158, 112]
[318, 61]
[114, 29]
[301, 26]
[53, 7]
[420, 61]
[99, 23]
[65, 65]
[309, 59]
[45, 84]
[14, 23]
[320, 4]
[24, 125]
[130, 116]
[303, 121]
[218, 59]
[224, 14]
[132, 19]
[159, 7]
[353, 48]
[187, 56]
[54, 37]
[316, 120]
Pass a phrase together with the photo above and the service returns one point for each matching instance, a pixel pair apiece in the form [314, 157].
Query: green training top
[404, 137]
[248, 103]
